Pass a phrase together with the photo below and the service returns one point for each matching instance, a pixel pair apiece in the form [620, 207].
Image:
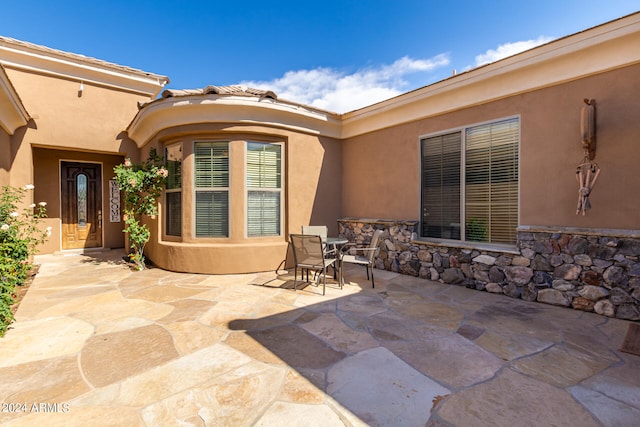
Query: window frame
[279, 190]
[173, 190]
[197, 189]
[462, 130]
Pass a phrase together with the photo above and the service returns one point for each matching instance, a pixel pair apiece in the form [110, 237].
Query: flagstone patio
[98, 344]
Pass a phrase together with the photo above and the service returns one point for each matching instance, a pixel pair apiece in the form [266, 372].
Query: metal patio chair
[363, 256]
[323, 232]
[309, 255]
[316, 230]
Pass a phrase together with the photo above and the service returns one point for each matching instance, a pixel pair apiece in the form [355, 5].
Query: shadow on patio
[413, 352]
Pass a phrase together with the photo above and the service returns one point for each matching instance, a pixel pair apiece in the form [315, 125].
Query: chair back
[375, 240]
[316, 230]
[307, 249]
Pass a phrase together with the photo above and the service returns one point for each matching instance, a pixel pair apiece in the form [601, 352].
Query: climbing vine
[142, 185]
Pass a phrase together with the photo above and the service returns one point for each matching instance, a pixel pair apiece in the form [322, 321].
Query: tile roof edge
[22, 45]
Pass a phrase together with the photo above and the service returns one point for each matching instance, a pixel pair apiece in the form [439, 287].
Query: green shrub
[477, 230]
[142, 185]
[21, 232]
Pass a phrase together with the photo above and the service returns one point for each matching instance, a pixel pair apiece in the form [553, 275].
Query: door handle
[99, 218]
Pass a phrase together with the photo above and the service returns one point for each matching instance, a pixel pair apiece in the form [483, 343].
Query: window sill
[487, 247]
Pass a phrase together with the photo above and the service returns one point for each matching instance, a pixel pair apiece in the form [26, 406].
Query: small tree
[142, 185]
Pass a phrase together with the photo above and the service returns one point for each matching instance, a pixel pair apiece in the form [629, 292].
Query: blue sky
[335, 55]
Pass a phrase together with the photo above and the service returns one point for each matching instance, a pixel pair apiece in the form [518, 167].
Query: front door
[81, 205]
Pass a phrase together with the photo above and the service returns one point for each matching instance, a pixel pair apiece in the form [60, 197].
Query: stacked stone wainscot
[590, 270]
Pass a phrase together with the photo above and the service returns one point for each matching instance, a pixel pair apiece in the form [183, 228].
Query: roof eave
[13, 114]
[175, 111]
[43, 60]
[606, 47]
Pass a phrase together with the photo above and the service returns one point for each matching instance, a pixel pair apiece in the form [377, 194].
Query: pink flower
[43, 204]
[163, 172]
[133, 182]
[127, 162]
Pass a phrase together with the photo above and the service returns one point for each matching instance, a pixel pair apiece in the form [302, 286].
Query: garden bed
[21, 290]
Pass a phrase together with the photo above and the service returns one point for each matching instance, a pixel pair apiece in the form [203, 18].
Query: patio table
[336, 243]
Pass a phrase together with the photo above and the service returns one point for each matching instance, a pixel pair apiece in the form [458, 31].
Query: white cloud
[337, 91]
[509, 49]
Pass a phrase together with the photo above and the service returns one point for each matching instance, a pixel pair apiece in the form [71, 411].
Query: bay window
[227, 177]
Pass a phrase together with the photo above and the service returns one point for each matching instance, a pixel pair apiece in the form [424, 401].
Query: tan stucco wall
[65, 119]
[551, 151]
[5, 157]
[381, 169]
[311, 185]
[47, 189]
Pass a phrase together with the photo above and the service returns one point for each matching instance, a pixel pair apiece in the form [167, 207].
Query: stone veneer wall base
[590, 270]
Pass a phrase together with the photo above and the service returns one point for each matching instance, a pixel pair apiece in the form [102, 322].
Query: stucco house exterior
[473, 179]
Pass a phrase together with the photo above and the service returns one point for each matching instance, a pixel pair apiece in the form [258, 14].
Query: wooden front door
[81, 205]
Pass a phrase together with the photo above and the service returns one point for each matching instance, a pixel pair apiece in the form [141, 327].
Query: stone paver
[609, 411]
[453, 361]
[513, 399]
[383, 389]
[96, 343]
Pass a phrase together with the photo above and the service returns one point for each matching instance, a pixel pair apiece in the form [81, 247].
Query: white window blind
[173, 159]
[212, 164]
[212, 188]
[264, 189]
[212, 213]
[491, 193]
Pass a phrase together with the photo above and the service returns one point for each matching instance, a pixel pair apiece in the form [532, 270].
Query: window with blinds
[173, 190]
[479, 183]
[441, 186]
[264, 189]
[211, 179]
[491, 190]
